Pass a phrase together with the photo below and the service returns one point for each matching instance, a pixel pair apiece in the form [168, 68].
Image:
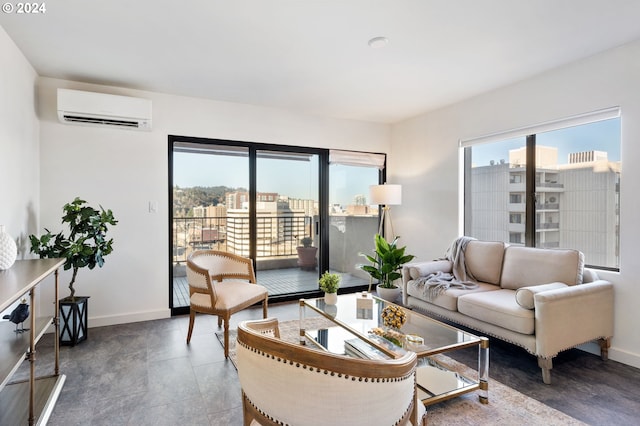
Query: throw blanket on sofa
[437, 283]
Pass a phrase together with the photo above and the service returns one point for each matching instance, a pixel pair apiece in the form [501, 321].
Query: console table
[28, 401]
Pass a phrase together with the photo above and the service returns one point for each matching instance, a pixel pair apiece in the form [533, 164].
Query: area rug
[506, 406]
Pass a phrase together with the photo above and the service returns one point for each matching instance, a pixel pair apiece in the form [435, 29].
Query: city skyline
[292, 178]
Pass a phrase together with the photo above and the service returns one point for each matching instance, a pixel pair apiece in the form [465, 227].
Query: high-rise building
[577, 204]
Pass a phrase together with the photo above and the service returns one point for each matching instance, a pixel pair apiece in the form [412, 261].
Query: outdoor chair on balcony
[288, 384]
[222, 284]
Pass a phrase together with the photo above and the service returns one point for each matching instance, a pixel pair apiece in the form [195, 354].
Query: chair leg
[226, 337]
[264, 308]
[192, 317]
[219, 321]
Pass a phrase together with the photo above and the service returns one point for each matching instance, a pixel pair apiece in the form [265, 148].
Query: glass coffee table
[352, 327]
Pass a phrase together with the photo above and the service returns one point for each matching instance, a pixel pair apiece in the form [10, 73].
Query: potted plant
[329, 283]
[306, 254]
[86, 245]
[386, 265]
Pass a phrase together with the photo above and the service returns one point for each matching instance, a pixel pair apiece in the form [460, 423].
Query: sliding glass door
[287, 221]
[208, 182]
[353, 220]
[295, 211]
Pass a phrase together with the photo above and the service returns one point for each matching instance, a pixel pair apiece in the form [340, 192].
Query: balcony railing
[276, 236]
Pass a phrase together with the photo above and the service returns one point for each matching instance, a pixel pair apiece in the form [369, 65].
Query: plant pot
[388, 294]
[73, 320]
[307, 257]
[331, 298]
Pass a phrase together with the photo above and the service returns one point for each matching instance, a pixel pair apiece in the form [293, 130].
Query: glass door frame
[321, 228]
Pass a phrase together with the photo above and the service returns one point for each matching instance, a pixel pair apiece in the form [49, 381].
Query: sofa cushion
[449, 298]
[426, 268]
[528, 266]
[499, 308]
[483, 259]
[524, 295]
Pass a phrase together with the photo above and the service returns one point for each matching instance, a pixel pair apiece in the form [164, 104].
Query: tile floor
[145, 374]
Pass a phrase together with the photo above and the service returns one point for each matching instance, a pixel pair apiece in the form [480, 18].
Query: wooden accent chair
[222, 284]
[288, 384]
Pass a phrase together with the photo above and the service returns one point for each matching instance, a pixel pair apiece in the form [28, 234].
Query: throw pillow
[524, 295]
[423, 269]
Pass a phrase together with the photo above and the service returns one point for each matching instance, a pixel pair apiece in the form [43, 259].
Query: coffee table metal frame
[435, 382]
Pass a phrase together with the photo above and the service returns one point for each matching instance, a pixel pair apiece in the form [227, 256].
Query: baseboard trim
[128, 318]
[624, 357]
[618, 355]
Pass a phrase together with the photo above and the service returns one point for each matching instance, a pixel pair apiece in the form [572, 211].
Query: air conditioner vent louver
[105, 121]
[99, 109]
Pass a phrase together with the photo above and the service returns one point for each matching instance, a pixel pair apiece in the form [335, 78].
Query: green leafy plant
[329, 283]
[387, 262]
[86, 244]
[306, 241]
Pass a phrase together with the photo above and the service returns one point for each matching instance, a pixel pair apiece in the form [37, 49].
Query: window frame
[530, 196]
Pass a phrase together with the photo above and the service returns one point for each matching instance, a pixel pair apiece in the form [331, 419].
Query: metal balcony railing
[276, 236]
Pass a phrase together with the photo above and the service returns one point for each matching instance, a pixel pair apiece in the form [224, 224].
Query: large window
[551, 187]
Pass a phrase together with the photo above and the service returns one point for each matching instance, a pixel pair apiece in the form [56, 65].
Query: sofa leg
[605, 344]
[546, 364]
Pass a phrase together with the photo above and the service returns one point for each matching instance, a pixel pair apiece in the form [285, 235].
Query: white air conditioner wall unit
[100, 109]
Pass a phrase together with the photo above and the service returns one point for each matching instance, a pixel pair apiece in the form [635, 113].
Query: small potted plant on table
[329, 283]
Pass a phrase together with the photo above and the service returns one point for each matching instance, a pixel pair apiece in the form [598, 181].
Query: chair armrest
[573, 315]
[267, 326]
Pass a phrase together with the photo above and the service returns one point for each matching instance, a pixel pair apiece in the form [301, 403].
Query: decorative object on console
[85, 246]
[307, 254]
[386, 265]
[329, 283]
[19, 315]
[8, 250]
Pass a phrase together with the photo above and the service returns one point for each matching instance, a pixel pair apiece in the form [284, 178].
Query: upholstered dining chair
[222, 284]
[289, 384]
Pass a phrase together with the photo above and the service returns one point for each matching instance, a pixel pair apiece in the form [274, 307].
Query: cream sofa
[543, 300]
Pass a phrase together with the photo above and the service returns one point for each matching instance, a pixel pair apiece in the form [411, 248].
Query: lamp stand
[386, 213]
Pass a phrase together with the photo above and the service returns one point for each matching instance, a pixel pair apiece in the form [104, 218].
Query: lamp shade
[386, 195]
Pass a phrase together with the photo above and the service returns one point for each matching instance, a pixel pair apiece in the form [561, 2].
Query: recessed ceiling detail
[378, 42]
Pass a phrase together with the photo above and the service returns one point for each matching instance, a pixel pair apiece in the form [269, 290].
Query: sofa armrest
[412, 271]
[567, 317]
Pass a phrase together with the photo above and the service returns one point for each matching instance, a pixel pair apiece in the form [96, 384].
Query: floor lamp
[385, 196]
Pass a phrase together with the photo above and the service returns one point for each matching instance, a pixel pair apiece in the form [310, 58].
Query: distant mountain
[184, 199]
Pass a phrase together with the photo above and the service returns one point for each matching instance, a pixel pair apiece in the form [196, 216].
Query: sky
[297, 179]
[599, 136]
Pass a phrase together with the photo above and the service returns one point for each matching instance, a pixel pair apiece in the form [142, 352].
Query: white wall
[19, 145]
[425, 159]
[125, 169]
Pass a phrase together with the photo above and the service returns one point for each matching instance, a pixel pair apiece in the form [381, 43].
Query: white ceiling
[312, 56]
